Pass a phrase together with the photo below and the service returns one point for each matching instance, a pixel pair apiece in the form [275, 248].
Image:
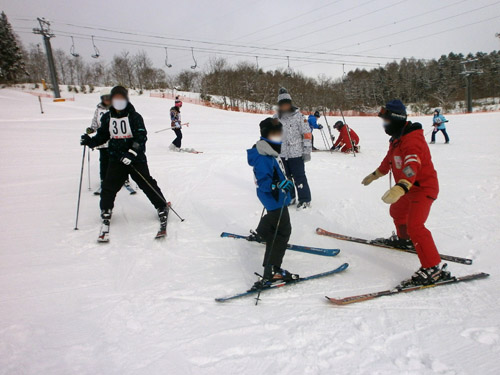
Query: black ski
[390, 292]
[342, 237]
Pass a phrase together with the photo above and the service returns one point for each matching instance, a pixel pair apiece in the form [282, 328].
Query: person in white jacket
[102, 108]
[296, 147]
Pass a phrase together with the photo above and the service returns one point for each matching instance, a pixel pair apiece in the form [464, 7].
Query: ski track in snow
[69, 305]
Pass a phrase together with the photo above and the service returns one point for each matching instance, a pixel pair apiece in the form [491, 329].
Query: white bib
[101, 113]
[119, 128]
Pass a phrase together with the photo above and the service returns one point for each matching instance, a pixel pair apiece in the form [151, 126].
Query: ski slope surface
[69, 305]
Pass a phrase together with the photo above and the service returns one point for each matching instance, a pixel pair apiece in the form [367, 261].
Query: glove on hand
[372, 177]
[85, 140]
[286, 185]
[128, 157]
[306, 157]
[320, 126]
[397, 191]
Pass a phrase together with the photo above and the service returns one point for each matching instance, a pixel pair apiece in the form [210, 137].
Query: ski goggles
[387, 114]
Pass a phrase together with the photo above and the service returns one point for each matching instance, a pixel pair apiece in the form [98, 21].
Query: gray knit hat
[284, 96]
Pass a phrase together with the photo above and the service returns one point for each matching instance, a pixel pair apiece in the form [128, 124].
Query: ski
[342, 237]
[190, 151]
[279, 285]
[302, 249]
[104, 233]
[390, 292]
[129, 188]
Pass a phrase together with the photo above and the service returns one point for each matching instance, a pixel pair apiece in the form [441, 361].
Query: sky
[319, 37]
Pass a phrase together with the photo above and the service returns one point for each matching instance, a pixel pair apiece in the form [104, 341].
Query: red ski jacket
[344, 137]
[409, 159]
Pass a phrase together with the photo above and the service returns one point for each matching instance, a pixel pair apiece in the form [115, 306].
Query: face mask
[120, 104]
[276, 139]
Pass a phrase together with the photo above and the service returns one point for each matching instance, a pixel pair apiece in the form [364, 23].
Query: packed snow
[69, 305]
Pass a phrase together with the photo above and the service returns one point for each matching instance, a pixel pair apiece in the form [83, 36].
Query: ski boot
[106, 219]
[395, 241]
[254, 236]
[163, 216]
[303, 205]
[427, 276]
[275, 275]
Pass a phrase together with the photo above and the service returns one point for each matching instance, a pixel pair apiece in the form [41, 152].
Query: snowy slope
[135, 306]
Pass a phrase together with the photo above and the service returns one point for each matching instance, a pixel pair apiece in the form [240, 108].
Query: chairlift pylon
[288, 72]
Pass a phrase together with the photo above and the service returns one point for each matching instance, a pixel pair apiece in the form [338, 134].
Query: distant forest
[424, 83]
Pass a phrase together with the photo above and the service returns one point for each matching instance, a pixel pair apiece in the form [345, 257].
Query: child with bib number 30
[125, 130]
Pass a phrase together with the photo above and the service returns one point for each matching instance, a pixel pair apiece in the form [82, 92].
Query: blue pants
[435, 131]
[295, 169]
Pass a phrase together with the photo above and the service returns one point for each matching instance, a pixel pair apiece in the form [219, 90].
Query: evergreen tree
[11, 55]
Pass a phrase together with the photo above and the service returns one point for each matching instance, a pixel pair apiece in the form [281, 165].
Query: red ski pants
[410, 213]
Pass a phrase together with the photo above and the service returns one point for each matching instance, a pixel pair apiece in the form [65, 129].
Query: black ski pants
[177, 141]
[267, 228]
[118, 174]
[103, 162]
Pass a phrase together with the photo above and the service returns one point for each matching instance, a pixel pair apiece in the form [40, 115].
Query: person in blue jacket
[313, 124]
[438, 121]
[273, 190]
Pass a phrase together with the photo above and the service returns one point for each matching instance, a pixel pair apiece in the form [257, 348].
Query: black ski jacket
[125, 130]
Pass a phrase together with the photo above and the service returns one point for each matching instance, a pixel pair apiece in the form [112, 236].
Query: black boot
[163, 216]
[395, 241]
[254, 236]
[427, 276]
[273, 275]
[106, 214]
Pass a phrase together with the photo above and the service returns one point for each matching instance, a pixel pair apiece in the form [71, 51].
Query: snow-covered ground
[69, 305]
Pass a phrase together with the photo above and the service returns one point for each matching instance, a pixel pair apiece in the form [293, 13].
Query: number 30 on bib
[119, 128]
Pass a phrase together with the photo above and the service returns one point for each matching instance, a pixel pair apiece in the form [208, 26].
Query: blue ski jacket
[313, 122]
[267, 172]
[439, 121]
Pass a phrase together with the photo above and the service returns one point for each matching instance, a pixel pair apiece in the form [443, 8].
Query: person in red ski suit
[416, 189]
[343, 142]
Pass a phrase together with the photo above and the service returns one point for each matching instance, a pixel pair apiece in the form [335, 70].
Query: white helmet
[105, 92]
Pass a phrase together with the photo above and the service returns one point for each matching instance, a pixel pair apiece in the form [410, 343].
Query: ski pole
[80, 189]
[162, 130]
[40, 101]
[325, 140]
[266, 261]
[88, 168]
[329, 128]
[348, 132]
[158, 194]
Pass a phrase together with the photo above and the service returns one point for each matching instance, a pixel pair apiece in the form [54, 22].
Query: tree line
[424, 83]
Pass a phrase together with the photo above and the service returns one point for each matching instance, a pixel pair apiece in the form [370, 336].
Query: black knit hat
[338, 125]
[316, 114]
[119, 90]
[270, 125]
